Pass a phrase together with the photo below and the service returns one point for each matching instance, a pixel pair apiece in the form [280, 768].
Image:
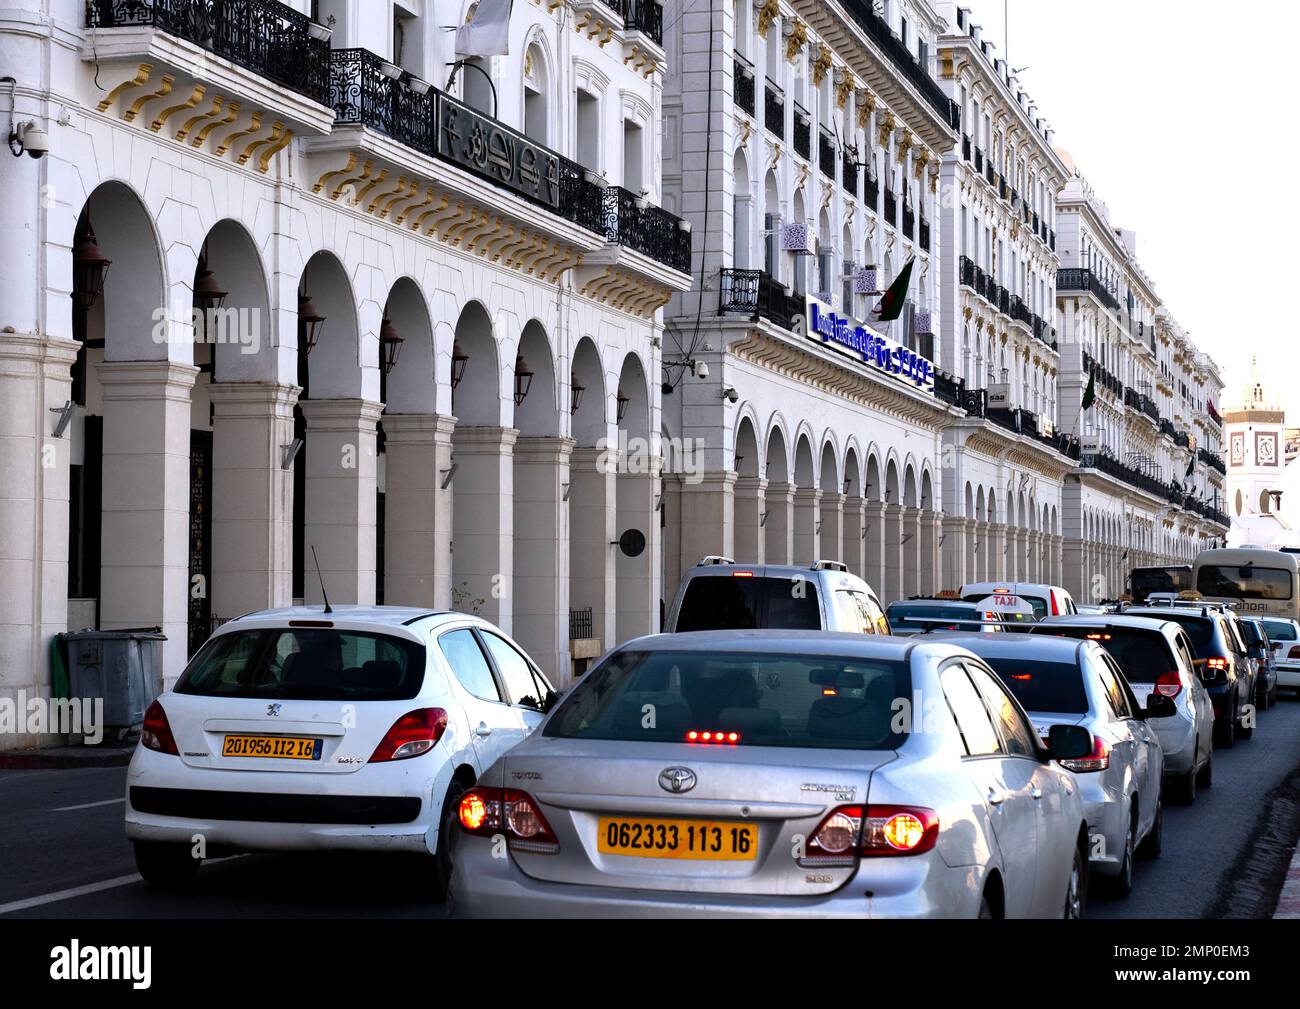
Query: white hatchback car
[1284, 636]
[302, 730]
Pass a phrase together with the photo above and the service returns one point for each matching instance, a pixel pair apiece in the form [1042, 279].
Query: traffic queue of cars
[786, 748]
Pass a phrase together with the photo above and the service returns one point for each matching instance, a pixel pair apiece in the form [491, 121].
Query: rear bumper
[920, 887]
[381, 807]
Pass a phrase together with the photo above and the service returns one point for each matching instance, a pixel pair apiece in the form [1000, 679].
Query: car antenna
[323, 595]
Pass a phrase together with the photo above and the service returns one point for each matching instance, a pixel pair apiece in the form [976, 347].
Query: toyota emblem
[676, 779]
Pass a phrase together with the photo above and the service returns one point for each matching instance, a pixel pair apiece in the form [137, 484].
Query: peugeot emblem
[676, 779]
[272, 710]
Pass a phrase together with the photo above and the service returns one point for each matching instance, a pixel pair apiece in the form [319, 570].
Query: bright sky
[1178, 115]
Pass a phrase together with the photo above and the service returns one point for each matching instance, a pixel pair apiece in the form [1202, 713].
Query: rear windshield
[907, 616]
[1279, 630]
[1143, 655]
[788, 701]
[1247, 581]
[1043, 686]
[1147, 580]
[308, 664]
[723, 603]
[1199, 629]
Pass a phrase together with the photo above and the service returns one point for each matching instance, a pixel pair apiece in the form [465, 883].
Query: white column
[417, 510]
[750, 503]
[893, 553]
[541, 557]
[779, 528]
[830, 540]
[483, 521]
[807, 512]
[252, 496]
[145, 572]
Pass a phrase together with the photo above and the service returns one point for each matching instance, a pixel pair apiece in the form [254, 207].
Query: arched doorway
[750, 497]
[636, 573]
[593, 507]
[778, 519]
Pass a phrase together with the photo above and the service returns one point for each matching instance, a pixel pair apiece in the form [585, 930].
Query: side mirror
[1160, 706]
[1069, 742]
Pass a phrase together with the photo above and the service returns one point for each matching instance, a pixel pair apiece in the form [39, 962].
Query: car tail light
[846, 833]
[1056, 609]
[715, 737]
[414, 733]
[1170, 684]
[1294, 652]
[156, 733]
[1097, 760]
[488, 812]
[1216, 662]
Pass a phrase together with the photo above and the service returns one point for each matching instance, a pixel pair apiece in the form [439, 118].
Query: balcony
[755, 294]
[802, 132]
[924, 238]
[644, 16]
[849, 174]
[742, 83]
[633, 223]
[979, 161]
[989, 174]
[965, 148]
[1213, 460]
[948, 388]
[871, 193]
[826, 154]
[904, 60]
[268, 38]
[1106, 462]
[891, 207]
[1075, 279]
[774, 110]
[909, 221]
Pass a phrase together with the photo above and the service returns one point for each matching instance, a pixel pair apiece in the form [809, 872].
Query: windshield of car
[307, 664]
[736, 602]
[1142, 654]
[1043, 686]
[1280, 630]
[751, 699]
[1246, 581]
[1144, 581]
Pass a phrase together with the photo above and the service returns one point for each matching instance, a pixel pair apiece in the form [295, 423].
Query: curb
[64, 757]
[1288, 901]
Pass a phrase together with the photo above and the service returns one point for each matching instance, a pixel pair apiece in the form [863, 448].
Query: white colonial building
[1263, 483]
[803, 142]
[242, 219]
[1005, 460]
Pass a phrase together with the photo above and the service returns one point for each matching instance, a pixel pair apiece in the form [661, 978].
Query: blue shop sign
[874, 349]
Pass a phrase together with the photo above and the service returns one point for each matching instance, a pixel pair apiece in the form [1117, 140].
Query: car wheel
[1154, 841]
[986, 911]
[1243, 731]
[1224, 736]
[1122, 885]
[1076, 891]
[1205, 777]
[165, 864]
[1183, 789]
[446, 826]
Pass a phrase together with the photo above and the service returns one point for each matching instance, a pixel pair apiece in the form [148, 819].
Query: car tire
[1242, 732]
[1121, 885]
[1153, 843]
[1205, 776]
[1076, 887]
[446, 825]
[167, 865]
[986, 909]
[1225, 735]
[1183, 789]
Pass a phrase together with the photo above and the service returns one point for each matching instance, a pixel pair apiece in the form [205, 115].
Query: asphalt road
[65, 854]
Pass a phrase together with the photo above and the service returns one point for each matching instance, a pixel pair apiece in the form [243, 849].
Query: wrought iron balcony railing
[826, 154]
[644, 16]
[979, 160]
[909, 221]
[1212, 460]
[948, 388]
[802, 132]
[1075, 279]
[871, 193]
[742, 84]
[263, 36]
[756, 294]
[849, 174]
[634, 224]
[774, 110]
[924, 237]
[891, 207]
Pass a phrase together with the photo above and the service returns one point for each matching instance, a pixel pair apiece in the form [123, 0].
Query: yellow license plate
[287, 747]
[699, 840]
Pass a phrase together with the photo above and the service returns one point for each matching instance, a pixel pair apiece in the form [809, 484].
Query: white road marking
[88, 805]
[76, 891]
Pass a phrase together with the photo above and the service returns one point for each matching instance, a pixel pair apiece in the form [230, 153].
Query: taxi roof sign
[1004, 602]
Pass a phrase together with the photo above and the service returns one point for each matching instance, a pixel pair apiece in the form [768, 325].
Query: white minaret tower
[1255, 436]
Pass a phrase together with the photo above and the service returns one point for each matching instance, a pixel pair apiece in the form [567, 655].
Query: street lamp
[310, 323]
[208, 294]
[390, 345]
[576, 389]
[623, 401]
[458, 361]
[523, 379]
[89, 267]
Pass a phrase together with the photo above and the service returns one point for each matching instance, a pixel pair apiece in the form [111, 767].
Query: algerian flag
[1090, 393]
[891, 305]
[488, 31]
[1191, 465]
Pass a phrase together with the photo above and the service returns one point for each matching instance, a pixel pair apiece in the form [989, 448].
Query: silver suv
[719, 594]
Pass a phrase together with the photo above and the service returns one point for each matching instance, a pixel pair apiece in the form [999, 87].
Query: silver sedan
[1063, 680]
[773, 773]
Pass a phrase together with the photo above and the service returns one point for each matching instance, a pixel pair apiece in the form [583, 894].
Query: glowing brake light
[875, 831]
[696, 736]
[487, 812]
[1097, 760]
[742, 574]
[1170, 684]
[1216, 662]
[1098, 637]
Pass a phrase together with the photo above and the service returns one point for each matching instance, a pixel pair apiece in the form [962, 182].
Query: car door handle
[996, 798]
[1035, 791]
[483, 731]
